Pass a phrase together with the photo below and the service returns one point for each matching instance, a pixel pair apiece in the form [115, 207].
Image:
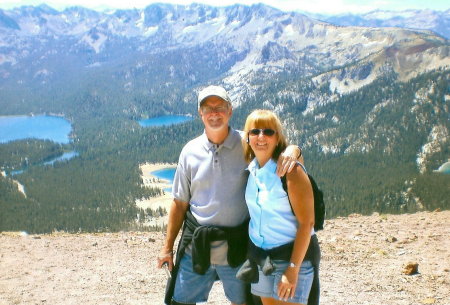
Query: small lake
[167, 174]
[164, 120]
[42, 127]
[64, 157]
[444, 168]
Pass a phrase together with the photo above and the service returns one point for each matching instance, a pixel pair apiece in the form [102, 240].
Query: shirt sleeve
[181, 188]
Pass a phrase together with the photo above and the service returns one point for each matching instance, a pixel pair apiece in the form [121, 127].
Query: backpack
[319, 204]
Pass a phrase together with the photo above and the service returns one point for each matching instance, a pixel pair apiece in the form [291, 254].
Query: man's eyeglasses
[219, 109]
[265, 131]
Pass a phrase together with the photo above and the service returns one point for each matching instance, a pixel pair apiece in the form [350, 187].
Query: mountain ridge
[436, 21]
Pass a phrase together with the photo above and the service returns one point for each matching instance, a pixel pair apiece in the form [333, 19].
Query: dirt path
[363, 259]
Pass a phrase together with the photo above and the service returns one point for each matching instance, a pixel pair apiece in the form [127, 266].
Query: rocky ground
[364, 261]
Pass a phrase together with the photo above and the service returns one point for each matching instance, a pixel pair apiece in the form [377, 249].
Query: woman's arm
[302, 202]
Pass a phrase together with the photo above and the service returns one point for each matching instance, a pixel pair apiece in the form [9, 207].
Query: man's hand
[288, 159]
[177, 213]
[165, 257]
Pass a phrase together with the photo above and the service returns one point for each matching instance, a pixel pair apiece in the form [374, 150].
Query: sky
[332, 7]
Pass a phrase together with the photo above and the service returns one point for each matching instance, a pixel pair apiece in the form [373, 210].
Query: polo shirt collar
[229, 142]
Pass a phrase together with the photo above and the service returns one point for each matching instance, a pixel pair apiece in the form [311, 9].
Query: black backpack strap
[319, 205]
[284, 182]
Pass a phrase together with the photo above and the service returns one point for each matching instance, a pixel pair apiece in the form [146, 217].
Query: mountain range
[239, 39]
[235, 45]
[436, 21]
[368, 103]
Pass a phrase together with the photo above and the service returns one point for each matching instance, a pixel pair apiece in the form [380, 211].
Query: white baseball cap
[213, 91]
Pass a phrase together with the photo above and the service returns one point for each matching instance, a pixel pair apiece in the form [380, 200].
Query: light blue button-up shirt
[272, 222]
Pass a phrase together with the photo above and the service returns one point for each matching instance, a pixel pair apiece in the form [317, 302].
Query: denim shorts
[191, 287]
[268, 284]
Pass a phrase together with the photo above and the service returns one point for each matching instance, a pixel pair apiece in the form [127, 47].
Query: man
[208, 189]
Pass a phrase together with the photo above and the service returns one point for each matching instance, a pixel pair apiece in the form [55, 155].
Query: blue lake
[164, 120]
[42, 127]
[444, 168]
[12, 173]
[165, 173]
[64, 157]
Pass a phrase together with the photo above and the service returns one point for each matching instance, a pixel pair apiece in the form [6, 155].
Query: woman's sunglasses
[265, 131]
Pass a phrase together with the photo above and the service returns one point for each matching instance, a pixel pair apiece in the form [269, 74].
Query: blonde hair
[261, 118]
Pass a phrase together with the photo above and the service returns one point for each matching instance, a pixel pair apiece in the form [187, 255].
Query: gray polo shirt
[212, 179]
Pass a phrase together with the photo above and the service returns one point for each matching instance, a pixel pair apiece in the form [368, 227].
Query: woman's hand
[288, 283]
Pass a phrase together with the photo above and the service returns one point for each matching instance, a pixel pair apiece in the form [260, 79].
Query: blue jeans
[268, 284]
[191, 287]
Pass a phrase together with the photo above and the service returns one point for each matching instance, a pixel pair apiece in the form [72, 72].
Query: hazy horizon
[330, 7]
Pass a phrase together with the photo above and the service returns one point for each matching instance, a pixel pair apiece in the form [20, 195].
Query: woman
[281, 224]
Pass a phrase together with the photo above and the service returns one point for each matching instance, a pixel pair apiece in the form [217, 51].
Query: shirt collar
[232, 139]
[270, 166]
[253, 165]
